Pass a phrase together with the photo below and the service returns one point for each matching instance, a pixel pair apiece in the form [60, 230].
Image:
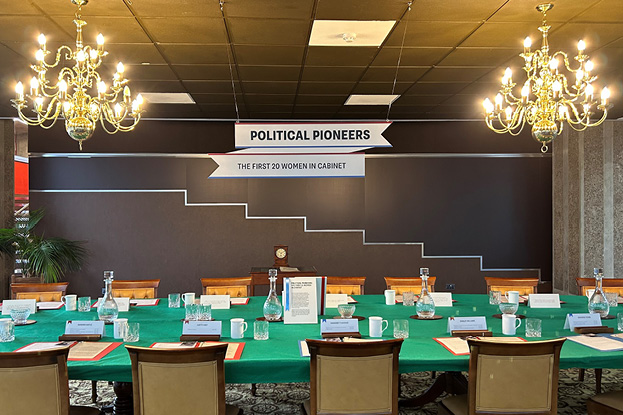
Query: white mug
[376, 326]
[70, 302]
[189, 298]
[512, 296]
[510, 323]
[238, 327]
[390, 297]
[119, 327]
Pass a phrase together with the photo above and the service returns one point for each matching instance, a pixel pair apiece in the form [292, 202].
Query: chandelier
[78, 94]
[548, 100]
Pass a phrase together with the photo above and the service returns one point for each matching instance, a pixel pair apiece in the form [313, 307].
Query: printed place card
[333, 300]
[202, 328]
[50, 305]
[8, 305]
[442, 299]
[239, 300]
[303, 348]
[84, 327]
[218, 302]
[467, 323]
[544, 301]
[144, 302]
[339, 325]
[582, 320]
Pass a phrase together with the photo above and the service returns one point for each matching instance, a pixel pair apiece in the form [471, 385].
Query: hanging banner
[300, 135]
[239, 166]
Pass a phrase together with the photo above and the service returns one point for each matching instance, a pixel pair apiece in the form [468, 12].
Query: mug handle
[386, 325]
[518, 321]
[63, 300]
[245, 325]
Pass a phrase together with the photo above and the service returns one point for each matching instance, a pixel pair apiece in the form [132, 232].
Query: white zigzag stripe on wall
[303, 218]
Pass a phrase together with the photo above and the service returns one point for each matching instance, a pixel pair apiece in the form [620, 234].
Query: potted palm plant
[44, 258]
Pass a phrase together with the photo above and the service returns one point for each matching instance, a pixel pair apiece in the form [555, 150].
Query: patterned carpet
[285, 399]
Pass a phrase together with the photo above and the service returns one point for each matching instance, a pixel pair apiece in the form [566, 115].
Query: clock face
[280, 253]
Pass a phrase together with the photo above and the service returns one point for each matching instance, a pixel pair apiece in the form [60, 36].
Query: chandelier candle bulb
[581, 46]
[499, 99]
[19, 91]
[589, 92]
[100, 42]
[588, 66]
[120, 68]
[93, 54]
[42, 41]
[605, 94]
[527, 43]
[34, 86]
[39, 55]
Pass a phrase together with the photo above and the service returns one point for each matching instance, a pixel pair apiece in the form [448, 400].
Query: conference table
[278, 360]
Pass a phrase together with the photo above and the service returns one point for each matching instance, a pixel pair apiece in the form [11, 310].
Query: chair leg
[433, 374]
[94, 391]
[254, 389]
[598, 373]
[581, 375]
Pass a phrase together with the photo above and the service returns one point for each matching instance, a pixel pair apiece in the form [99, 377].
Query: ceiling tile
[503, 35]
[326, 87]
[269, 73]
[215, 98]
[321, 99]
[443, 34]
[344, 73]
[388, 56]
[344, 56]
[269, 87]
[282, 9]
[223, 87]
[603, 11]
[522, 11]
[270, 108]
[360, 10]
[167, 8]
[205, 72]
[114, 29]
[381, 87]
[147, 72]
[269, 55]
[479, 56]
[387, 74]
[93, 8]
[254, 99]
[473, 100]
[195, 54]
[27, 29]
[157, 86]
[455, 74]
[428, 88]
[595, 35]
[133, 53]
[306, 109]
[19, 8]
[268, 31]
[407, 100]
[448, 10]
[186, 29]
[484, 89]
[274, 115]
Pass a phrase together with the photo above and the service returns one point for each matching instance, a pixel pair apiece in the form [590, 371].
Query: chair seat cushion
[612, 400]
[456, 405]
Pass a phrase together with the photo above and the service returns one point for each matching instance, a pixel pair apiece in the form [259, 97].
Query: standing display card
[544, 301]
[50, 305]
[144, 302]
[218, 302]
[300, 300]
[201, 328]
[339, 327]
[442, 299]
[8, 305]
[467, 323]
[333, 300]
[582, 320]
[76, 327]
[239, 300]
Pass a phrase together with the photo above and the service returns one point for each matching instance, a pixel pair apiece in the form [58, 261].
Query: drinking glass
[260, 330]
[20, 315]
[131, 333]
[620, 321]
[192, 312]
[346, 310]
[533, 327]
[508, 308]
[174, 300]
[408, 298]
[205, 312]
[401, 329]
[84, 304]
[494, 297]
[613, 298]
[7, 330]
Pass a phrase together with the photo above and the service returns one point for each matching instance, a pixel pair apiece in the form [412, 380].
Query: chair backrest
[40, 292]
[178, 381]
[135, 288]
[34, 382]
[525, 286]
[610, 285]
[232, 286]
[403, 284]
[345, 285]
[515, 378]
[357, 378]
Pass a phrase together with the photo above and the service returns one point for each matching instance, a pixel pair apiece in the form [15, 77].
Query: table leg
[124, 405]
[452, 382]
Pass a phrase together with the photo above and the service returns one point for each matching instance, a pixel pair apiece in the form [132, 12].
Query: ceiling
[454, 53]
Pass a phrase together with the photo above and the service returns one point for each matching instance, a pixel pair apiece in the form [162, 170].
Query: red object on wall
[21, 178]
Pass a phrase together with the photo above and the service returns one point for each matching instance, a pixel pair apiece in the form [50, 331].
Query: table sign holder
[593, 330]
[199, 337]
[80, 337]
[471, 333]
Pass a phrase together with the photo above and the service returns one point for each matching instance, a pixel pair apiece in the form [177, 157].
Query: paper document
[40, 346]
[300, 301]
[239, 300]
[234, 350]
[175, 345]
[288, 269]
[597, 342]
[141, 302]
[91, 350]
[303, 349]
[49, 305]
[458, 345]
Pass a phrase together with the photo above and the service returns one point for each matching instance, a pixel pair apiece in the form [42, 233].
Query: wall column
[7, 198]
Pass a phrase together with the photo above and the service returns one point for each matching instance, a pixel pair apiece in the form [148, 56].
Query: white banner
[288, 165]
[266, 135]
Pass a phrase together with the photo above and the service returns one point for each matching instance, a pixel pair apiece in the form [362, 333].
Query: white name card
[218, 302]
[544, 301]
[582, 320]
[123, 303]
[442, 299]
[339, 325]
[467, 323]
[84, 327]
[333, 300]
[8, 305]
[202, 328]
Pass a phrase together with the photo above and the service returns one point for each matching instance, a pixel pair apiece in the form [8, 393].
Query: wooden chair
[232, 286]
[37, 383]
[40, 292]
[609, 403]
[353, 378]
[509, 378]
[179, 381]
[135, 288]
[610, 285]
[402, 284]
[525, 286]
[345, 285]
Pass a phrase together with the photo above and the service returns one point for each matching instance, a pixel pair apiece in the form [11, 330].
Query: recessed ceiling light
[371, 99]
[168, 97]
[350, 32]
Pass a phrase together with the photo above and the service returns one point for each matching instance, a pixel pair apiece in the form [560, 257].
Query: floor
[285, 399]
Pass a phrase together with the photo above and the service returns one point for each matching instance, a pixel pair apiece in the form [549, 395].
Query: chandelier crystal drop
[547, 99]
[77, 93]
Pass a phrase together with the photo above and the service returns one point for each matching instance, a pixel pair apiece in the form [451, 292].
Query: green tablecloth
[278, 359]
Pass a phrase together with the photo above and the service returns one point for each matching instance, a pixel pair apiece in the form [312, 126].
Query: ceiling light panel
[167, 98]
[371, 99]
[350, 32]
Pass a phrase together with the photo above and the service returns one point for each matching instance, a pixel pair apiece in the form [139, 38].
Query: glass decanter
[107, 309]
[272, 305]
[598, 303]
[425, 306]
